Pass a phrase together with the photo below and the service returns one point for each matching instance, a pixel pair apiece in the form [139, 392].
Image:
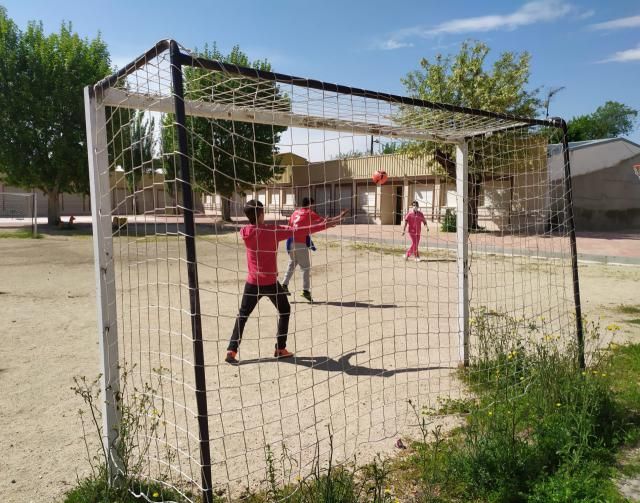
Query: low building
[606, 191]
[151, 194]
[509, 195]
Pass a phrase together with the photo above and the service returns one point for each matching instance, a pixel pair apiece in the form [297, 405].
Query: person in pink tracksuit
[414, 221]
[261, 241]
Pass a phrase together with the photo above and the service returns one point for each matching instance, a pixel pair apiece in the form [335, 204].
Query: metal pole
[35, 214]
[192, 271]
[572, 240]
[462, 258]
[105, 277]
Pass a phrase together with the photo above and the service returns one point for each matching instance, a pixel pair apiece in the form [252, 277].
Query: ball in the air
[380, 177]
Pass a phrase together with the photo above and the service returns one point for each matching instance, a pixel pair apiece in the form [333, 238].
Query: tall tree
[464, 80]
[42, 132]
[228, 156]
[610, 120]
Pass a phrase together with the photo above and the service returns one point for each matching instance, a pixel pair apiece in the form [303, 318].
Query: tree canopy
[466, 80]
[42, 126]
[227, 156]
[610, 120]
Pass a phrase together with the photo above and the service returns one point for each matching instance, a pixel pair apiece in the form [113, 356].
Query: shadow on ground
[342, 364]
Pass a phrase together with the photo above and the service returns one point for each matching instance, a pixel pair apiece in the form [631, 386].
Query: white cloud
[616, 24]
[586, 14]
[624, 56]
[537, 11]
[391, 44]
[529, 13]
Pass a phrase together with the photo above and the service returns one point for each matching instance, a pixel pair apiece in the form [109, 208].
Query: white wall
[591, 157]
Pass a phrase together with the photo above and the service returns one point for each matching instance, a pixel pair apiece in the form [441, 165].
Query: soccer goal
[18, 210]
[178, 144]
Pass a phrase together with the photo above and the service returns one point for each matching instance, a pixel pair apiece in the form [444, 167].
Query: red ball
[380, 177]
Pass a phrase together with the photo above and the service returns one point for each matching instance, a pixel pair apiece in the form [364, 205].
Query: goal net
[17, 210]
[179, 144]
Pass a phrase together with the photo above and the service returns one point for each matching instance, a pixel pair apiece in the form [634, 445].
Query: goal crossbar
[223, 111]
[339, 108]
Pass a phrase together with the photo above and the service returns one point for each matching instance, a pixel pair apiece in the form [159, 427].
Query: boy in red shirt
[414, 220]
[303, 217]
[262, 241]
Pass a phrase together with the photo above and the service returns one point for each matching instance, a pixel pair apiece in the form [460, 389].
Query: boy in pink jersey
[414, 220]
[302, 218]
[262, 241]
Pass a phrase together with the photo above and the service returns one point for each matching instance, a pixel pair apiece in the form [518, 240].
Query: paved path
[614, 247]
[604, 247]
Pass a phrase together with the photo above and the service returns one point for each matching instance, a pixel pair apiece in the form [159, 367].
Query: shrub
[449, 221]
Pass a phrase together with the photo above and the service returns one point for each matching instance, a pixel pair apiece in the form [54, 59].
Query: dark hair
[415, 203]
[306, 202]
[252, 209]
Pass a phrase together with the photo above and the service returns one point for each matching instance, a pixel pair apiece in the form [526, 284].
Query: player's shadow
[342, 364]
[351, 303]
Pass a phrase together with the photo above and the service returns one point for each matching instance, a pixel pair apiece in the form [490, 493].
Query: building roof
[590, 156]
[556, 148]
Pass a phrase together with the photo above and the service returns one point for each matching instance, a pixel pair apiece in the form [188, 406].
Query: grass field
[363, 349]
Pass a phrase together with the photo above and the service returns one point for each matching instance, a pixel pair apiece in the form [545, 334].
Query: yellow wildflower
[156, 495]
[558, 404]
[613, 327]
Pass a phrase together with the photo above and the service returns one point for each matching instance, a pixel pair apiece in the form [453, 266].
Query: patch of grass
[629, 468]
[19, 234]
[378, 248]
[635, 321]
[139, 424]
[540, 429]
[400, 251]
[96, 490]
[628, 309]
[588, 483]
[455, 406]
[623, 367]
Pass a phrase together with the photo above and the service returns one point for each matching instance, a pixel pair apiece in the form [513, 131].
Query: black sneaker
[284, 289]
[307, 295]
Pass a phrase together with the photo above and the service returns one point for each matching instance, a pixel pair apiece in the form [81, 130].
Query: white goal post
[171, 132]
[19, 209]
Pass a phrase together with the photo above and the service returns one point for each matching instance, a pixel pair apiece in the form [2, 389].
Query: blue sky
[591, 47]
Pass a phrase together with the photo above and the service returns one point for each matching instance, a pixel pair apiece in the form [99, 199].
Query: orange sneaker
[232, 358]
[282, 353]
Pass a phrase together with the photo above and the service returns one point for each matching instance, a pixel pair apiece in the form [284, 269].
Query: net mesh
[17, 210]
[381, 340]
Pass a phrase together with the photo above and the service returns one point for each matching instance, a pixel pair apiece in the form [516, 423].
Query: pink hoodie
[262, 249]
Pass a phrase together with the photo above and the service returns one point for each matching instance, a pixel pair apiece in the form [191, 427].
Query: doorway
[398, 211]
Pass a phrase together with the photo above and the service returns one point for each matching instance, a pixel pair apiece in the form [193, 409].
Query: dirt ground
[363, 349]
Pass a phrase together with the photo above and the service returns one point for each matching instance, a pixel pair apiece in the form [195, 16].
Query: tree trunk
[136, 209]
[225, 202]
[53, 207]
